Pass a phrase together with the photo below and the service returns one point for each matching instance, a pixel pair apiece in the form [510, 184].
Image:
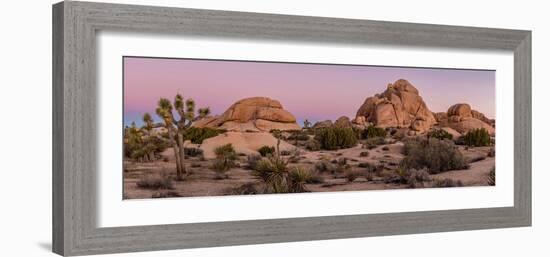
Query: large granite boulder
[462, 118]
[343, 122]
[400, 105]
[253, 114]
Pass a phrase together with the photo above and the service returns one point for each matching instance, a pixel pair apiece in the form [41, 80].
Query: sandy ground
[202, 181]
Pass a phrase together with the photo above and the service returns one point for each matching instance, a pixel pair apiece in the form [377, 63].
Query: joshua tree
[203, 112]
[177, 128]
[148, 120]
[307, 124]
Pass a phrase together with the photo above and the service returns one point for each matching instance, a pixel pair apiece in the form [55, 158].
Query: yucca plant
[177, 128]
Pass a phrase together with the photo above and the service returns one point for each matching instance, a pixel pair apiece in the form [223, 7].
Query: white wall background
[25, 145]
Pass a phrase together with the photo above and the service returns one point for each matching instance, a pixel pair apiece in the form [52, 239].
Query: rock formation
[462, 118]
[244, 142]
[400, 105]
[343, 122]
[322, 124]
[255, 114]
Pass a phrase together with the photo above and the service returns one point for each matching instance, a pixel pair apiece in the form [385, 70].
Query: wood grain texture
[75, 25]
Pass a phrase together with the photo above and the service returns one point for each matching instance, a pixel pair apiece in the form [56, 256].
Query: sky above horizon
[309, 91]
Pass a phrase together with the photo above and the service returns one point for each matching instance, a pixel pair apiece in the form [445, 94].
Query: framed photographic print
[183, 128]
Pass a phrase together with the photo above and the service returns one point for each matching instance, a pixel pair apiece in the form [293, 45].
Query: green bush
[435, 155]
[192, 152]
[313, 145]
[333, 138]
[372, 131]
[225, 159]
[440, 134]
[477, 137]
[299, 136]
[266, 150]
[197, 135]
[373, 142]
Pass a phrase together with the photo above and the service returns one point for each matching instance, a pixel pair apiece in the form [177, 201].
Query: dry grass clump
[155, 181]
[447, 183]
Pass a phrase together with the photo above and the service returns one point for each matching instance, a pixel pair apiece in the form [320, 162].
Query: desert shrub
[279, 178]
[477, 137]
[245, 189]
[225, 160]
[491, 178]
[373, 168]
[252, 160]
[385, 148]
[416, 178]
[491, 152]
[294, 155]
[285, 153]
[352, 176]
[298, 136]
[155, 181]
[315, 178]
[324, 165]
[372, 131]
[197, 135]
[141, 147]
[226, 151]
[373, 142]
[440, 134]
[192, 151]
[364, 154]
[166, 194]
[272, 171]
[447, 183]
[297, 178]
[333, 138]
[266, 150]
[435, 155]
[313, 145]
[364, 165]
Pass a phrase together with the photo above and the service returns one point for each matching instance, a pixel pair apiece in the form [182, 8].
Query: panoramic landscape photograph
[198, 127]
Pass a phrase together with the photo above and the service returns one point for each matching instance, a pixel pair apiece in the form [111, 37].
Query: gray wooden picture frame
[75, 25]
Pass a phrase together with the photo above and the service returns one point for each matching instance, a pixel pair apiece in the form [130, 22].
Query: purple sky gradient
[312, 91]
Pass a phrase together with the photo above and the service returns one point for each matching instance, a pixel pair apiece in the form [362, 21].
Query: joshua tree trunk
[181, 156]
[176, 148]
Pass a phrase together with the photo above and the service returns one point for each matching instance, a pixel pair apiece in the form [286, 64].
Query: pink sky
[309, 91]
